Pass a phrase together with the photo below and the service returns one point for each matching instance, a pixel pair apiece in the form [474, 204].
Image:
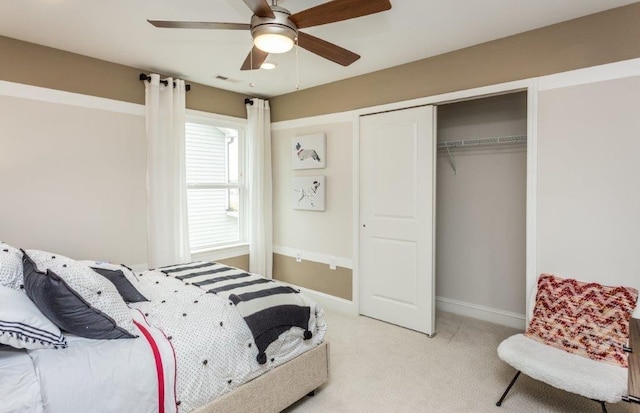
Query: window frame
[239, 124]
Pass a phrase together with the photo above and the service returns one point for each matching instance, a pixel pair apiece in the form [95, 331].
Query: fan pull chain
[297, 66]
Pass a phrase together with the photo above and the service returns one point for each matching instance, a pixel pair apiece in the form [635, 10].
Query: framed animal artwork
[308, 152]
[308, 192]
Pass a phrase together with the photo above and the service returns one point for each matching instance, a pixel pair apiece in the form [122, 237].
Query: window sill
[220, 253]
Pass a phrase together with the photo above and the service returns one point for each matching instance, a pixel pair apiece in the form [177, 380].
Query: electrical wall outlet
[298, 257]
[333, 263]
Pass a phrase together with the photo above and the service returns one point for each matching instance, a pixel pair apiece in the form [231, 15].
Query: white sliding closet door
[397, 180]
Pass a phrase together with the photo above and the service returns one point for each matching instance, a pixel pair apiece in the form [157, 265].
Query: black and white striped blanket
[268, 308]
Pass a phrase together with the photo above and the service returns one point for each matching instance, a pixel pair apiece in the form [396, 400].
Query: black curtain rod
[164, 82]
[248, 101]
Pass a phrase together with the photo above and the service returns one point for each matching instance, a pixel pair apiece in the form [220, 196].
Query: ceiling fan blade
[199, 25]
[257, 59]
[338, 10]
[260, 8]
[327, 50]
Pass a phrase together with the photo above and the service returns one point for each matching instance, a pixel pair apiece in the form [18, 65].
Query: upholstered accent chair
[576, 339]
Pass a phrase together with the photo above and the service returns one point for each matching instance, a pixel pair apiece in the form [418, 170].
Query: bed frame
[277, 389]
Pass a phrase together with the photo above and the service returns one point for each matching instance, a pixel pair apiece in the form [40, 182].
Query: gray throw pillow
[75, 298]
[122, 277]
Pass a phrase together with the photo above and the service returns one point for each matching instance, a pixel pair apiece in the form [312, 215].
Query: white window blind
[214, 185]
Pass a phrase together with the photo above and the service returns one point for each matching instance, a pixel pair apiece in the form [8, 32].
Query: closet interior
[481, 203]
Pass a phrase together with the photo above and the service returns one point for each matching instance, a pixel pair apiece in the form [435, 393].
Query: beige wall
[605, 37]
[73, 180]
[329, 232]
[241, 262]
[76, 176]
[480, 211]
[314, 276]
[42, 66]
[601, 38]
[588, 182]
[589, 41]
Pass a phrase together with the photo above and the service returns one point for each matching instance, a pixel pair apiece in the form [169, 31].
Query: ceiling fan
[275, 30]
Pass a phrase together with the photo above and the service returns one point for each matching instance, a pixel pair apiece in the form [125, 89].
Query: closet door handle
[364, 225]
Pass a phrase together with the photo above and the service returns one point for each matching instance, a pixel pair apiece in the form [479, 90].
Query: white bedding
[108, 375]
[201, 341]
[19, 387]
[213, 361]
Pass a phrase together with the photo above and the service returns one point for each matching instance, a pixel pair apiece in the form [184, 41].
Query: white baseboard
[327, 301]
[493, 315]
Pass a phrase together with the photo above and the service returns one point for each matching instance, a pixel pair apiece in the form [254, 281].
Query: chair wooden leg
[508, 388]
[604, 408]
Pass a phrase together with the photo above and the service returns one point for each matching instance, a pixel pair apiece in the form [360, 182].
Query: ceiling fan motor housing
[280, 25]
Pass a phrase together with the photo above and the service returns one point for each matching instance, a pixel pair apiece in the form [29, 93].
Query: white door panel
[397, 214]
[403, 289]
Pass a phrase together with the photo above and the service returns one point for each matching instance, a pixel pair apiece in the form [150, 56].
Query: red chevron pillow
[588, 319]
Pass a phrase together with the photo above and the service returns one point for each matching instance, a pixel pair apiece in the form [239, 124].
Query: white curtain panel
[167, 229]
[259, 187]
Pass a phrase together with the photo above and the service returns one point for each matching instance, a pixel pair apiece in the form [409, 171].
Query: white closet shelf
[498, 140]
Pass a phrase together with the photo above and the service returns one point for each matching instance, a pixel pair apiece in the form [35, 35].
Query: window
[215, 184]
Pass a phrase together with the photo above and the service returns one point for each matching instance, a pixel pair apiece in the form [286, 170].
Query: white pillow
[10, 266]
[22, 325]
[76, 298]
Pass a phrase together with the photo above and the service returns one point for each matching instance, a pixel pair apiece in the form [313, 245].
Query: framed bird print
[308, 152]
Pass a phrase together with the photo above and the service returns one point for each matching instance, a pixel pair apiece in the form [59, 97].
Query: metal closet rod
[498, 140]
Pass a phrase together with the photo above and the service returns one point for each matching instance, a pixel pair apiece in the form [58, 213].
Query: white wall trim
[480, 312]
[531, 235]
[313, 120]
[355, 268]
[42, 94]
[221, 253]
[327, 301]
[313, 256]
[610, 71]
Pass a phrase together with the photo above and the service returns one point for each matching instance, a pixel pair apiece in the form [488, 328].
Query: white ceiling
[117, 31]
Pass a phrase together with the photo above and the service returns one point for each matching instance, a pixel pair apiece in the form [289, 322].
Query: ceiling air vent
[227, 79]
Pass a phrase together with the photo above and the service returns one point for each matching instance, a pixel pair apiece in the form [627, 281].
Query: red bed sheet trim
[159, 367]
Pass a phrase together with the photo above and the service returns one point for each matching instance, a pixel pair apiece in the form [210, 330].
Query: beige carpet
[379, 367]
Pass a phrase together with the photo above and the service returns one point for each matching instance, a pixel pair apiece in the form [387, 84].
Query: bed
[198, 337]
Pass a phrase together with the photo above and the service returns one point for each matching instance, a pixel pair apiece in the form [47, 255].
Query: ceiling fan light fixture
[274, 42]
[276, 35]
[268, 66]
